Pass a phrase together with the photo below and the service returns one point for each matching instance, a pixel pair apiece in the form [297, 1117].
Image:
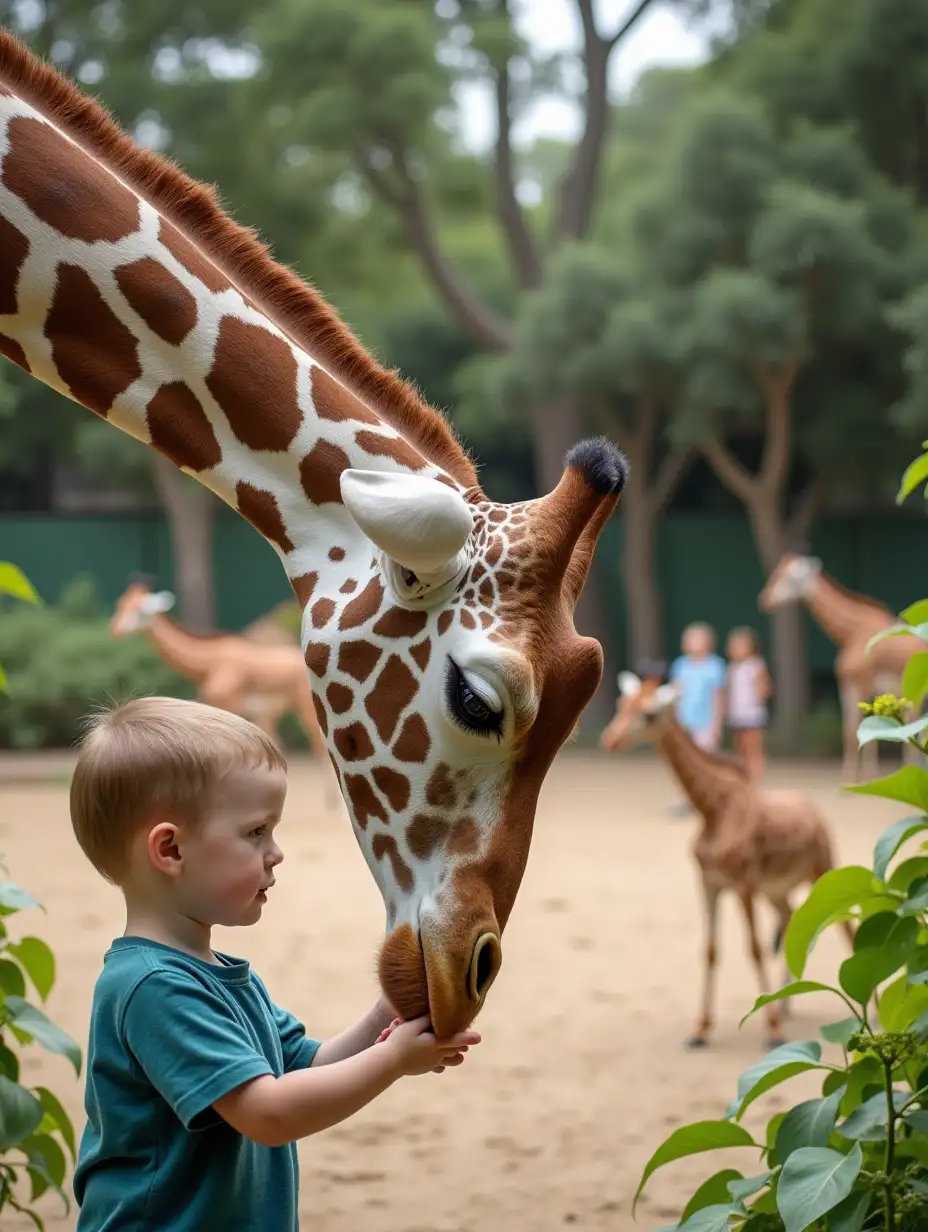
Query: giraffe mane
[865, 600]
[292, 304]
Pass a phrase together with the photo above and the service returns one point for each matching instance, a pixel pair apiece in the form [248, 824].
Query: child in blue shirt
[701, 704]
[198, 1085]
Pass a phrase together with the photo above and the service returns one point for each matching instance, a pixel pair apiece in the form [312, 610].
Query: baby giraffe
[753, 841]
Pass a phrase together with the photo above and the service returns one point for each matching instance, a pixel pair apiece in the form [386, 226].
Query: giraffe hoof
[696, 1041]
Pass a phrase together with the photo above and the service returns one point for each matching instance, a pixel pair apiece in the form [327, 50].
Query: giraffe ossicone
[437, 624]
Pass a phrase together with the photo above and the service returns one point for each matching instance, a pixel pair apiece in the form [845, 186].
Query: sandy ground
[581, 1073]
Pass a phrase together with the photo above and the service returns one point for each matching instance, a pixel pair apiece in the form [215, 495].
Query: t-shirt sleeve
[720, 674]
[298, 1048]
[190, 1045]
[676, 668]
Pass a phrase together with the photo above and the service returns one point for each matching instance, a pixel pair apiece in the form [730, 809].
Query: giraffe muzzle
[484, 966]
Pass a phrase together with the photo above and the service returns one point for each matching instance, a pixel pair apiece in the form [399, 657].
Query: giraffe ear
[629, 684]
[157, 601]
[418, 522]
[666, 694]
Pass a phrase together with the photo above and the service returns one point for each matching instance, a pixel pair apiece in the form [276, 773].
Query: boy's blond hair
[154, 754]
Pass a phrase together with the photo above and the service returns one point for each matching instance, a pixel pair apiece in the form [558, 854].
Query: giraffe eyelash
[459, 697]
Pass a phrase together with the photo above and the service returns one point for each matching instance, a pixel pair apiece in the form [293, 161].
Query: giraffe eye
[467, 708]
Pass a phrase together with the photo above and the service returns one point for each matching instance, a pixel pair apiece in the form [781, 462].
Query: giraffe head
[790, 581]
[642, 710]
[447, 672]
[137, 604]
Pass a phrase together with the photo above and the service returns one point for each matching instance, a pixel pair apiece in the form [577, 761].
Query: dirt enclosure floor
[581, 1073]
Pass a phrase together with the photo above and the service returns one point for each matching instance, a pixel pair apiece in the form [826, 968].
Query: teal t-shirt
[169, 1035]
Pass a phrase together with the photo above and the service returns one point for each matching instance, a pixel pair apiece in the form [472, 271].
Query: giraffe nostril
[484, 965]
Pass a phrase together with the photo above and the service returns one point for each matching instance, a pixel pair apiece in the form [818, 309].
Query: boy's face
[697, 642]
[230, 857]
[739, 646]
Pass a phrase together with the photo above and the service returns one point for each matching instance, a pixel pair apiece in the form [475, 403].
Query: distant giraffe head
[790, 581]
[642, 712]
[137, 604]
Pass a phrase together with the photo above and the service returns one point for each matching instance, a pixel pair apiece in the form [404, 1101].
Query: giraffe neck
[707, 779]
[107, 296]
[841, 613]
[188, 655]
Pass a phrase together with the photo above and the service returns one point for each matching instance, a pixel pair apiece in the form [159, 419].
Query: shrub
[856, 1157]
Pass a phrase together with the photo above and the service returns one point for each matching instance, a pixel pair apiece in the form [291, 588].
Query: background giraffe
[437, 625]
[850, 619]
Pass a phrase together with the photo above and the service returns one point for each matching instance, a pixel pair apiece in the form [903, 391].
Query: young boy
[198, 1085]
[701, 705]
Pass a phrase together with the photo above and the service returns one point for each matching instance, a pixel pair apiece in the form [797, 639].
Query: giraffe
[259, 680]
[850, 619]
[756, 842]
[437, 625]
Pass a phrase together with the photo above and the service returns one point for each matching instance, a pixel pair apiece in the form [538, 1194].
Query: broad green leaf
[714, 1218]
[693, 1140]
[918, 1119]
[908, 871]
[14, 582]
[875, 929]
[11, 979]
[15, 898]
[747, 1186]
[915, 614]
[915, 678]
[860, 1076]
[913, 476]
[813, 1181]
[42, 1148]
[908, 785]
[900, 1004]
[898, 628]
[38, 961]
[711, 1192]
[778, 1065]
[917, 901]
[865, 970]
[9, 1063]
[868, 1122]
[879, 727]
[4, 684]
[54, 1109]
[27, 1018]
[808, 1124]
[840, 1032]
[849, 1215]
[796, 989]
[20, 1113]
[835, 891]
[27, 1212]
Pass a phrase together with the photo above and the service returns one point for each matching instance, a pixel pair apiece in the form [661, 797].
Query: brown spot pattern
[65, 188]
[444, 621]
[303, 587]
[253, 379]
[317, 658]
[348, 587]
[385, 845]
[421, 652]
[322, 612]
[180, 428]
[464, 838]
[440, 791]
[486, 590]
[358, 659]
[486, 619]
[336, 553]
[335, 402]
[12, 350]
[425, 834]
[390, 447]
[163, 303]
[364, 607]
[339, 697]
[353, 742]
[15, 248]
[395, 786]
[364, 802]
[320, 471]
[414, 742]
[95, 354]
[494, 552]
[321, 716]
[399, 622]
[260, 509]
[467, 619]
[193, 261]
[395, 688]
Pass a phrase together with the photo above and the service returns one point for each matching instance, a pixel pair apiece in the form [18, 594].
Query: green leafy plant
[856, 1157]
[34, 1128]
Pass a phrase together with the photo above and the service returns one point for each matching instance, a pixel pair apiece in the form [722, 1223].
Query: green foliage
[61, 659]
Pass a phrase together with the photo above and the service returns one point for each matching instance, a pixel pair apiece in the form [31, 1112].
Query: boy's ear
[163, 846]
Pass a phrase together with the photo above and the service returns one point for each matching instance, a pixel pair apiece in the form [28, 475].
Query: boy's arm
[355, 1039]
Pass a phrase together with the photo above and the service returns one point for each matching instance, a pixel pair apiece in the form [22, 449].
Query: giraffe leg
[772, 1012]
[850, 717]
[700, 1037]
[784, 914]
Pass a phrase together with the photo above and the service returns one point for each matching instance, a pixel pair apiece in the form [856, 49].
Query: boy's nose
[274, 856]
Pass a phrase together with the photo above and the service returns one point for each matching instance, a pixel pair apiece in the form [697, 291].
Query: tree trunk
[642, 601]
[555, 429]
[787, 627]
[190, 511]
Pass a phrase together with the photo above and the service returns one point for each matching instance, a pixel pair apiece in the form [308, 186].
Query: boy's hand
[419, 1052]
